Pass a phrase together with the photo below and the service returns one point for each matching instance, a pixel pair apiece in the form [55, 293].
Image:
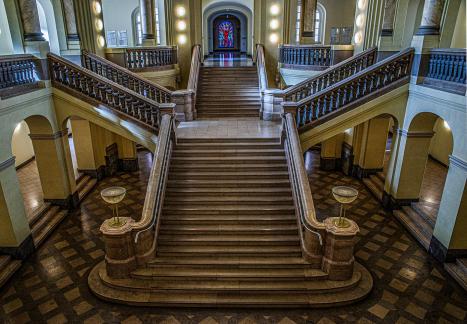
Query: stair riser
[172, 193]
[219, 184]
[228, 160]
[181, 176]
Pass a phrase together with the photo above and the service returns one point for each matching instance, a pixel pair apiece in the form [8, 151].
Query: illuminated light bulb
[446, 125]
[97, 7]
[274, 38]
[359, 20]
[101, 41]
[99, 25]
[274, 24]
[180, 11]
[358, 38]
[181, 25]
[182, 39]
[275, 9]
[361, 4]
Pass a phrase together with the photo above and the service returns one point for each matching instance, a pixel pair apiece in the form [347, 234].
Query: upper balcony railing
[17, 71]
[447, 69]
[147, 58]
[357, 89]
[125, 77]
[316, 55]
[95, 89]
[332, 75]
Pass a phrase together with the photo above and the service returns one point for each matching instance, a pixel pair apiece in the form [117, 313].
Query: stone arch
[242, 11]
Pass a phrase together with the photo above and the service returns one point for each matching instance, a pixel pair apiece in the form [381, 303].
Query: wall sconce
[180, 11]
[275, 9]
[99, 25]
[97, 7]
[182, 39]
[274, 24]
[274, 38]
[101, 41]
[358, 38]
[181, 25]
[359, 20]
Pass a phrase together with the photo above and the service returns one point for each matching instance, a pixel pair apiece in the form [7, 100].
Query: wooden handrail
[95, 88]
[332, 75]
[125, 77]
[194, 69]
[393, 71]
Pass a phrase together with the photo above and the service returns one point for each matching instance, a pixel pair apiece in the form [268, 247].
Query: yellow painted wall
[459, 36]
[21, 144]
[441, 143]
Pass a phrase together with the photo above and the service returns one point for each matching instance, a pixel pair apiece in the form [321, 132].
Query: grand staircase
[228, 92]
[229, 236]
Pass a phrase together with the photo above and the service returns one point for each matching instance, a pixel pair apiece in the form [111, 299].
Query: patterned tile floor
[410, 286]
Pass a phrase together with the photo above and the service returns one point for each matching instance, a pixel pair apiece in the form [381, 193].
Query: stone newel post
[148, 23]
[30, 20]
[431, 18]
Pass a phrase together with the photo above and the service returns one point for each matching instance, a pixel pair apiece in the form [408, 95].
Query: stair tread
[415, 225]
[228, 261]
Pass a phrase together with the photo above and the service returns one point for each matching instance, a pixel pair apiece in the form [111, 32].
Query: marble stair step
[213, 201]
[215, 184]
[224, 104]
[227, 167]
[374, 188]
[458, 271]
[226, 158]
[415, 224]
[221, 274]
[8, 267]
[239, 153]
[229, 219]
[38, 213]
[228, 262]
[230, 210]
[428, 213]
[381, 176]
[226, 239]
[216, 146]
[223, 191]
[230, 251]
[47, 226]
[228, 115]
[230, 140]
[86, 186]
[462, 263]
[231, 229]
[185, 175]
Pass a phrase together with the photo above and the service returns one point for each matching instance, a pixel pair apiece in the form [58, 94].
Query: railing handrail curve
[194, 69]
[358, 75]
[299, 86]
[260, 62]
[155, 193]
[134, 75]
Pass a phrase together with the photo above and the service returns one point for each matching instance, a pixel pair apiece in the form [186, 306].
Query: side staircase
[228, 92]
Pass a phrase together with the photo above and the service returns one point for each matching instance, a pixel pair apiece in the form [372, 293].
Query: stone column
[148, 23]
[388, 18]
[56, 179]
[307, 21]
[70, 20]
[431, 17]
[449, 240]
[15, 235]
[30, 20]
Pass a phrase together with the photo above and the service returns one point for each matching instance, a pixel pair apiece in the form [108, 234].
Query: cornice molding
[455, 161]
[53, 136]
[415, 134]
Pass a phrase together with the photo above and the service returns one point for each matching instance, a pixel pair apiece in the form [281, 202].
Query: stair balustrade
[17, 70]
[97, 90]
[447, 69]
[367, 84]
[135, 243]
[318, 239]
[144, 58]
[272, 98]
[305, 55]
[125, 77]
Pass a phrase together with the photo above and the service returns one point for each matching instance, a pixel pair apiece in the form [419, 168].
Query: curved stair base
[295, 292]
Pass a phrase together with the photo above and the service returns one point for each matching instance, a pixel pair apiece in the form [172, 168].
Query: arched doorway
[226, 33]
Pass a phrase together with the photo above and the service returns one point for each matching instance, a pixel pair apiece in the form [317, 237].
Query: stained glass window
[225, 34]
